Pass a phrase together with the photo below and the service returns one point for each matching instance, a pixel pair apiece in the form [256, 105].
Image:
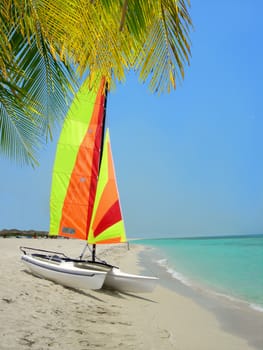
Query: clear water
[229, 265]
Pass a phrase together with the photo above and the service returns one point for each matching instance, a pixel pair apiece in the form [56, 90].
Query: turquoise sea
[230, 266]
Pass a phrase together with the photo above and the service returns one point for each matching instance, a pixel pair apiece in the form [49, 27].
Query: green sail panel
[76, 165]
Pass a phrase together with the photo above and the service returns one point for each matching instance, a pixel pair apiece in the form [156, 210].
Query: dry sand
[39, 314]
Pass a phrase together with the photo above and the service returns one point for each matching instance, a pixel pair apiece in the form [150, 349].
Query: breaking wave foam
[175, 274]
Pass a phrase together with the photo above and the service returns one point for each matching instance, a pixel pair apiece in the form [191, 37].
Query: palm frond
[83, 31]
[19, 135]
[166, 46]
[89, 33]
[33, 96]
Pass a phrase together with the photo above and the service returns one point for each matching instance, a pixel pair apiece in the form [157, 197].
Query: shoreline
[38, 314]
[236, 316]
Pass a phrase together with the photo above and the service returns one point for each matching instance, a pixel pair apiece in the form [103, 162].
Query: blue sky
[188, 163]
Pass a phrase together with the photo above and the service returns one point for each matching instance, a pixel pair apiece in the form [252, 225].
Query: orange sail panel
[76, 166]
[107, 224]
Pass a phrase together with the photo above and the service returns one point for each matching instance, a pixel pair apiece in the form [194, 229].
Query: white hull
[125, 282]
[65, 273]
[82, 274]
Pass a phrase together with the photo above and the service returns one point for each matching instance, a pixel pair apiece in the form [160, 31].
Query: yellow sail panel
[76, 165]
[107, 224]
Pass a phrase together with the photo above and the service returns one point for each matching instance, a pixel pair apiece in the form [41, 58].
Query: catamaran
[84, 202]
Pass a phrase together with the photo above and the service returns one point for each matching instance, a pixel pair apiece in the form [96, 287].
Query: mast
[104, 121]
[102, 141]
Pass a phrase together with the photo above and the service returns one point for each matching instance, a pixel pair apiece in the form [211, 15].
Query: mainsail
[79, 163]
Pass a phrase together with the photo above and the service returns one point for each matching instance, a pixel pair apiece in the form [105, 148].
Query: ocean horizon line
[218, 236]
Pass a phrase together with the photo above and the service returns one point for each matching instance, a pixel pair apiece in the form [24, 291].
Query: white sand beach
[39, 314]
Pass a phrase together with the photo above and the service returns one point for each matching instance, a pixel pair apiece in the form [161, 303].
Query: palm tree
[47, 46]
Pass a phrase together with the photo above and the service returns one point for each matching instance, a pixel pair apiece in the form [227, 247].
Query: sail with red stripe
[107, 224]
[76, 165]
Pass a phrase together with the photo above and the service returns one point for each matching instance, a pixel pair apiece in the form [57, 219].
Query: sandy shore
[38, 314]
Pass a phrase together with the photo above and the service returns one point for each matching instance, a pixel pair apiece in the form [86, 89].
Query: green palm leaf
[32, 96]
[166, 48]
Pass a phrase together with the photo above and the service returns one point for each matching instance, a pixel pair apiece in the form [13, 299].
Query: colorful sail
[76, 166]
[107, 225]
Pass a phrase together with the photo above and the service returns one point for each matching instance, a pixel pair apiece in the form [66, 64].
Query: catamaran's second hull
[129, 283]
[124, 282]
[65, 273]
